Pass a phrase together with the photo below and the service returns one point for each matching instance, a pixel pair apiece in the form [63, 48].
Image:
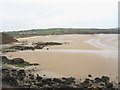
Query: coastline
[76, 57]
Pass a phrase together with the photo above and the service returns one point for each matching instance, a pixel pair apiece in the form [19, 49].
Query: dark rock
[10, 81]
[17, 61]
[31, 77]
[21, 74]
[57, 80]
[35, 64]
[38, 78]
[22, 48]
[5, 72]
[39, 84]
[105, 79]
[14, 73]
[68, 80]
[97, 80]
[44, 75]
[4, 59]
[87, 80]
[39, 46]
[64, 78]
[44, 81]
[109, 85]
[13, 70]
[48, 81]
[89, 75]
[47, 48]
[86, 83]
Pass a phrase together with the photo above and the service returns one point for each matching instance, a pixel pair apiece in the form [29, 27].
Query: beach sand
[85, 54]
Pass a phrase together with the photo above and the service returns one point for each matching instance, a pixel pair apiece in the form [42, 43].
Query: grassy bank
[60, 31]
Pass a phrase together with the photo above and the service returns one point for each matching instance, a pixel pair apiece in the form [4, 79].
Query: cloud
[27, 14]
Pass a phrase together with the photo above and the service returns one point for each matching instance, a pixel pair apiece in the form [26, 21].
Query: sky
[36, 14]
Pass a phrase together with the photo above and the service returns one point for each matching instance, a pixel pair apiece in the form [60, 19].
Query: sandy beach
[81, 55]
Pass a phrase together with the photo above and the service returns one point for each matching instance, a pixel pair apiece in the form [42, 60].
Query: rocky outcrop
[4, 59]
[16, 61]
[7, 39]
[21, 79]
[13, 61]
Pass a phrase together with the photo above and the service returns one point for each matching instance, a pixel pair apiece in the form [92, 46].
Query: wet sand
[85, 54]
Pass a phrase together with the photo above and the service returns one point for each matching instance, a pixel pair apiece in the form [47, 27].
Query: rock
[44, 75]
[21, 74]
[7, 39]
[97, 80]
[87, 80]
[39, 46]
[10, 81]
[5, 72]
[24, 80]
[89, 75]
[14, 73]
[31, 76]
[4, 59]
[57, 80]
[39, 84]
[68, 80]
[17, 61]
[49, 81]
[38, 78]
[35, 64]
[86, 83]
[44, 81]
[47, 48]
[105, 79]
[109, 85]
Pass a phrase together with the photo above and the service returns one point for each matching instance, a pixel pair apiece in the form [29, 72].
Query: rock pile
[21, 79]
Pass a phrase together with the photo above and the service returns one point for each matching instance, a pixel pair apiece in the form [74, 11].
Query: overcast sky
[34, 14]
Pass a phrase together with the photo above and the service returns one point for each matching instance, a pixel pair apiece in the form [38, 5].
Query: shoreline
[75, 57]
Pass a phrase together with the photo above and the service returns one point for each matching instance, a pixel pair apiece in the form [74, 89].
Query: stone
[38, 78]
[105, 79]
[57, 80]
[97, 80]
[4, 59]
[17, 61]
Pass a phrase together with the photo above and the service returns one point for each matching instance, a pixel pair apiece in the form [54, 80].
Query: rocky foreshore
[25, 79]
[20, 79]
[13, 79]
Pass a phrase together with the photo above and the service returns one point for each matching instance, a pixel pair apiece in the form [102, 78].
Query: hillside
[6, 39]
[61, 31]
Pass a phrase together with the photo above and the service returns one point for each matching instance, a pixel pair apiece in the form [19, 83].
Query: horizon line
[56, 28]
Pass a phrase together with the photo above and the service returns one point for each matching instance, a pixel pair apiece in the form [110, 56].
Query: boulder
[4, 59]
[105, 79]
[17, 61]
[98, 80]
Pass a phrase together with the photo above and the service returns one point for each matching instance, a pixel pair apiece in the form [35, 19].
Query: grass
[60, 31]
